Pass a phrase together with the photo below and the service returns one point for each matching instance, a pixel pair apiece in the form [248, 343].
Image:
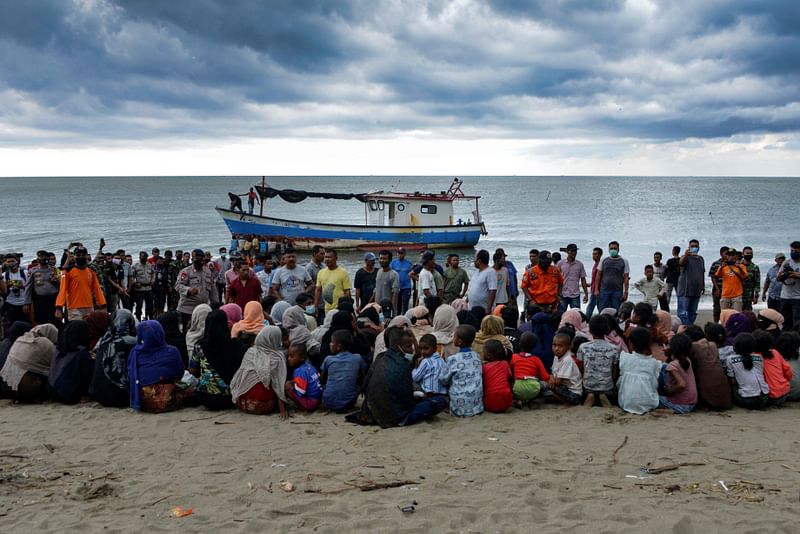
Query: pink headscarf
[460, 305]
[573, 318]
[233, 312]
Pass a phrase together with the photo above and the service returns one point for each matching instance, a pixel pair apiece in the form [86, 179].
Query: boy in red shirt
[497, 396]
[528, 371]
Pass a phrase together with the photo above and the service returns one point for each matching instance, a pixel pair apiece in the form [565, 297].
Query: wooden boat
[412, 220]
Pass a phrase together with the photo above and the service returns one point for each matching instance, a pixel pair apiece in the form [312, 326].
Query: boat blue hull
[305, 235]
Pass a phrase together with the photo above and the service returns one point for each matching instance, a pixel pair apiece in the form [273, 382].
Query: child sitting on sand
[429, 367]
[342, 373]
[529, 371]
[637, 387]
[680, 389]
[565, 380]
[304, 389]
[777, 372]
[600, 364]
[464, 376]
[745, 372]
[496, 378]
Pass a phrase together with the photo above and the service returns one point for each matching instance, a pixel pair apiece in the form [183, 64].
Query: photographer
[13, 285]
[789, 276]
[41, 290]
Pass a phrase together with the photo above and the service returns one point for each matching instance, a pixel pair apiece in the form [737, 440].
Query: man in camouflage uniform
[752, 284]
[174, 267]
[196, 285]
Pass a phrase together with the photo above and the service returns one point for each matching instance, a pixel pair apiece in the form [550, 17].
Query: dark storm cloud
[103, 71]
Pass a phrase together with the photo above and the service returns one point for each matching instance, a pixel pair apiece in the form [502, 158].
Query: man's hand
[193, 291]
[59, 314]
[586, 298]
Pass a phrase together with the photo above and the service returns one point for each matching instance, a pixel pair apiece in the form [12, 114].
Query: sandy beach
[69, 468]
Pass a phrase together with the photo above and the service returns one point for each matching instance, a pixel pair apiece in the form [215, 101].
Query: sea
[645, 214]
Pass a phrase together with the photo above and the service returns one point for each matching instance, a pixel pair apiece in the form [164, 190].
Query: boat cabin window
[380, 205]
[430, 209]
[401, 207]
[373, 206]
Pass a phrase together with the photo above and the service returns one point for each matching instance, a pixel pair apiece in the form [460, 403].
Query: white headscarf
[263, 362]
[197, 325]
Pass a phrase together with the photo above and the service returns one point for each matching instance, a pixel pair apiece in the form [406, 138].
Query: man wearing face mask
[41, 290]
[691, 282]
[196, 285]
[543, 282]
[613, 276]
[80, 290]
[789, 276]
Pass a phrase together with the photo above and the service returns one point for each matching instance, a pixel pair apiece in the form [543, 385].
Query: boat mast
[261, 204]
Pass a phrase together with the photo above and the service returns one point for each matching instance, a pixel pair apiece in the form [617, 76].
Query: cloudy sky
[638, 87]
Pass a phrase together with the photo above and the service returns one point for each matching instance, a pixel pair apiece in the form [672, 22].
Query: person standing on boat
[364, 282]
[195, 285]
[290, 280]
[333, 282]
[236, 202]
[252, 198]
[403, 267]
[483, 287]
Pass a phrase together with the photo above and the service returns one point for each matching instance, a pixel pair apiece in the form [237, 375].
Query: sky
[464, 87]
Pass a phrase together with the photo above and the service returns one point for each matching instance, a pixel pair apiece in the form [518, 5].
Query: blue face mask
[310, 309]
[694, 250]
[409, 356]
[381, 318]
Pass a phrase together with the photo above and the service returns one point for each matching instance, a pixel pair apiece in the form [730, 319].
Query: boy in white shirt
[565, 380]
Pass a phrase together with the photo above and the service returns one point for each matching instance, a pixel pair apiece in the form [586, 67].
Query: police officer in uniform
[196, 285]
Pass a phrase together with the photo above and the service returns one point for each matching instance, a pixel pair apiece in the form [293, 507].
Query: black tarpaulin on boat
[295, 195]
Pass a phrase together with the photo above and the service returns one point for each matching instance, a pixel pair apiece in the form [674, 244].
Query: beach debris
[87, 492]
[51, 449]
[306, 423]
[493, 439]
[409, 509]
[614, 454]
[722, 483]
[286, 486]
[180, 511]
[162, 499]
[609, 486]
[637, 477]
[277, 466]
[671, 467]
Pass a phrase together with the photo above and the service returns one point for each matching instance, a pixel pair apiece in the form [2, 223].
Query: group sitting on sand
[288, 352]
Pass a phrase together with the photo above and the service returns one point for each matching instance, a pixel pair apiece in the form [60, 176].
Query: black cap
[428, 255]
[572, 246]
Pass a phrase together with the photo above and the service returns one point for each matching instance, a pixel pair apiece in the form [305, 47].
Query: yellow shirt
[333, 284]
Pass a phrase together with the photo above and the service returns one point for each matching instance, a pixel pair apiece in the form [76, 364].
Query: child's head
[567, 329]
[788, 343]
[640, 340]
[694, 332]
[598, 326]
[744, 345]
[399, 339]
[341, 341]
[561, 343]
[764, 342]
[465, 335]
[715, 333]
[297, 354]
[648, 272]
[246, 339]
[644, 315]
[679, 348]
[427, 345]
[493, 351]
[625, 310]
[509, 316]
[527, 342]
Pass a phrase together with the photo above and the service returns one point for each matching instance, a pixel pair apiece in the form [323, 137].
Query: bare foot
[589, 402]
[604, 401]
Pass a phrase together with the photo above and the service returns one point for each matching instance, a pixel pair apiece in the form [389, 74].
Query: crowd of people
[401, 341]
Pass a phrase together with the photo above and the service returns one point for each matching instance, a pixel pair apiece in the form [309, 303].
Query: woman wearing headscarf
[460, 305]
[737, 323]
[278, 310]
[771, 321]
[294, 320]
[28, 363]
[445, 323]
[615, 335]
[72, 368]
[252, 322]
[574, 318]
[492, 327]
[215, 360]
[16, 329]
[544, 333]
[171, 322]
[261, 378]
[197, 325]
[109, 384]
[154, 369]
[233, 312]
[98, 322]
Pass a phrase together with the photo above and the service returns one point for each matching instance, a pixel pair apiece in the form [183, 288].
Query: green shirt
[454, 280]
